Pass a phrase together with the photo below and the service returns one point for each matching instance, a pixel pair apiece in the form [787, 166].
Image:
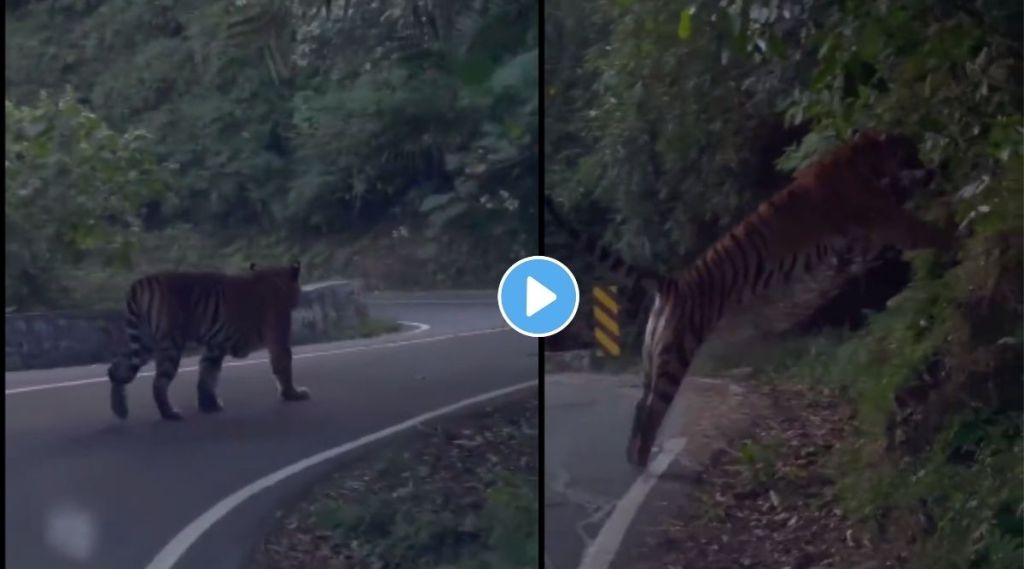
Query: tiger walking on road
[225, 314]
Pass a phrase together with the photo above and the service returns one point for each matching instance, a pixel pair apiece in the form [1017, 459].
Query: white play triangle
[537, 296]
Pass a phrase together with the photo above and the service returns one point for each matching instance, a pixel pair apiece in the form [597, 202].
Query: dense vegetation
[378, 140]
[665, 123]
[462, 494]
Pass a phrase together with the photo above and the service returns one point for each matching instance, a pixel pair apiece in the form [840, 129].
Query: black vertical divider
[540, 242]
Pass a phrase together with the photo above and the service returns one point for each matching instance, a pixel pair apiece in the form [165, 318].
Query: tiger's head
[893, 161]
[284, 280]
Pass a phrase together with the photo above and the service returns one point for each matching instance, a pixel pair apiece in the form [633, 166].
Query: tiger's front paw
[295, 394]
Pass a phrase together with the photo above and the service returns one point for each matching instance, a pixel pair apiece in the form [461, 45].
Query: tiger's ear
[296, 269]
[252, 266]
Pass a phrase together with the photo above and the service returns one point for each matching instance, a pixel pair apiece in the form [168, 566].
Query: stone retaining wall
[41, 340]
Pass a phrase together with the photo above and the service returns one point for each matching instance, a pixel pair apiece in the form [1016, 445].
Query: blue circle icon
[538, 296]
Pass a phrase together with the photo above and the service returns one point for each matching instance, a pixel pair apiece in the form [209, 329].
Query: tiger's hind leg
[209, 372]
[168, 357]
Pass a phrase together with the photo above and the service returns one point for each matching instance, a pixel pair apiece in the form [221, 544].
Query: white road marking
[422, 327]
[604, 547]
[178, 545]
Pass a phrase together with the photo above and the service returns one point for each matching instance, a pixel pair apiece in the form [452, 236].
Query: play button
[538, 296]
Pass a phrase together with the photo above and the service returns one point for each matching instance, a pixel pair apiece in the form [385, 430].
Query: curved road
[84, 490]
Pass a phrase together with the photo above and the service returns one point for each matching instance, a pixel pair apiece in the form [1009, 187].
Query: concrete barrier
[41, 340]
[328, 311]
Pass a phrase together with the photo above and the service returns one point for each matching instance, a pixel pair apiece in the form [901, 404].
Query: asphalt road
[85, 490]
[586, 420]
[598, 509]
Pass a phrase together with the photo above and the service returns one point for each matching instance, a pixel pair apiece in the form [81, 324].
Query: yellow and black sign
[606, 321]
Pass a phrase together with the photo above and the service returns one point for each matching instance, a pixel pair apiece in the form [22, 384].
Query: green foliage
[511, 513]
[302, 123]
[685, 23]
[665, 120]
[376, 327]
[901, 342]
[658, 122]
[812, 147]
[452, 85]
[74, 190]
[759, 460]
[976, 508]
[975, 503]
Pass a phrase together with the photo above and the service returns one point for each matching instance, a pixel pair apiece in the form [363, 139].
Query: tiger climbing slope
[597, 506]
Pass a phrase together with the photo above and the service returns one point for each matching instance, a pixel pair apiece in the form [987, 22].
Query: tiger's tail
[637, 281]
[125, 367]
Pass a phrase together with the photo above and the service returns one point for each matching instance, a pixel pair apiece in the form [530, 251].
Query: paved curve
[599, 511]
[84, 490]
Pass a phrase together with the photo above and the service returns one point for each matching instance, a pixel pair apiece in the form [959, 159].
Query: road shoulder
[765, 498]
[587, 417]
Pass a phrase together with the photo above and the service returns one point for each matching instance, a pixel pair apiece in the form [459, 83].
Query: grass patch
[362, 328]
[759, 459]
[462, 496]
[376, 327]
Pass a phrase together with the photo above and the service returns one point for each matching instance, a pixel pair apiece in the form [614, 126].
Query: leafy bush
[74, 190]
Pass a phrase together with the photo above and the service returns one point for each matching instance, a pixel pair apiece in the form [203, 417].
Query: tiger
[225, 314]
[835, 214]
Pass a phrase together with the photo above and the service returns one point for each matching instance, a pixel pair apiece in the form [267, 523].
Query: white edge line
[422, 328]
[602, 550]
[179, 544]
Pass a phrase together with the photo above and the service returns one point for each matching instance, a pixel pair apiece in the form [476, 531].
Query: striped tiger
[225, 314]
[834, 217]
